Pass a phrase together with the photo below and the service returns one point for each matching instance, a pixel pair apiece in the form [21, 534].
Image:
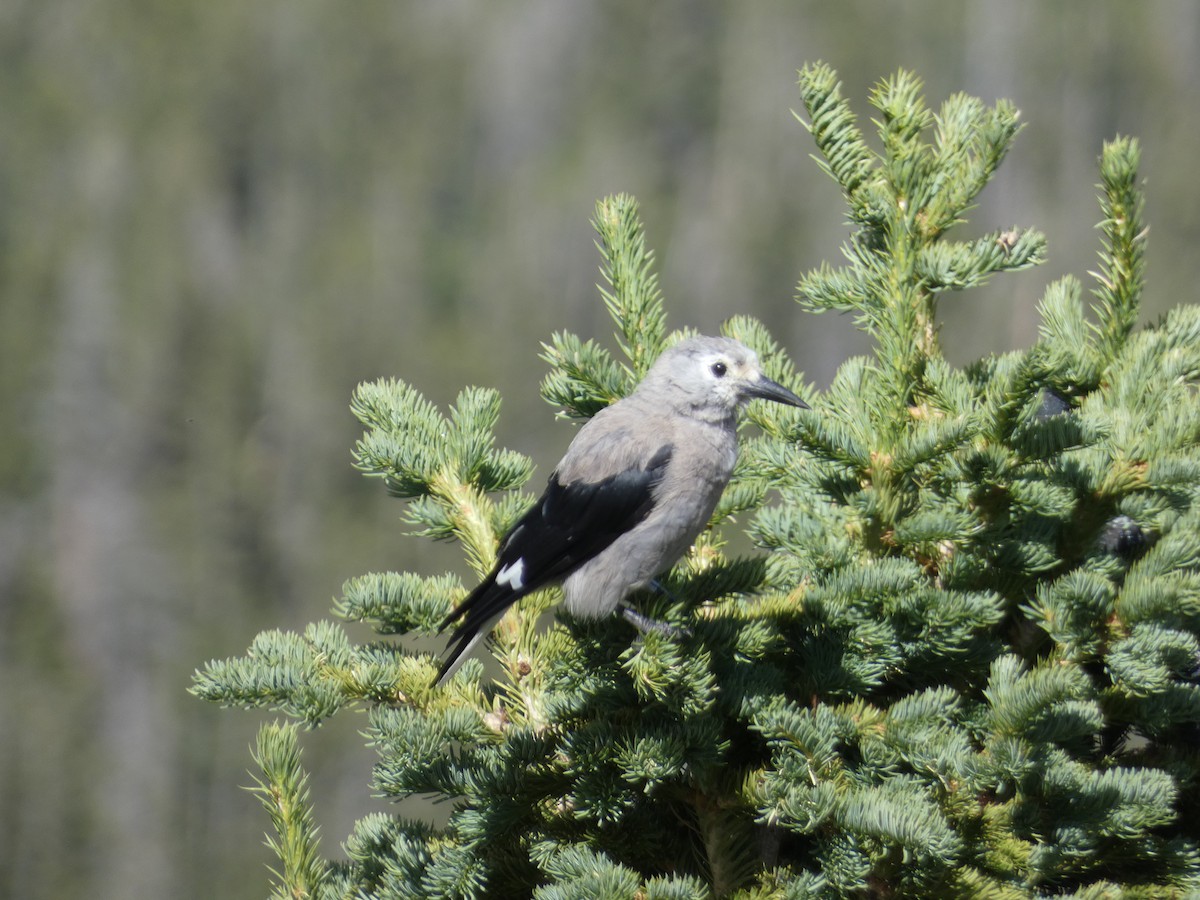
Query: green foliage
[446, 464]
[967, 663]
[283, 790]
[584, 378]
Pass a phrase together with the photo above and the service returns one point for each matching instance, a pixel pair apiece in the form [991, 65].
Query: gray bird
[636, 487]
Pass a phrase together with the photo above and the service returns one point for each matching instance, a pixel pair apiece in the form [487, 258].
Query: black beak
[766, 389]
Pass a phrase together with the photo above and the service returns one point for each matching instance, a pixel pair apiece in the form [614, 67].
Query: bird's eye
[718, 369]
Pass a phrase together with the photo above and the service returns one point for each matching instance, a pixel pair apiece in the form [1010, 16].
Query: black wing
[569, 525]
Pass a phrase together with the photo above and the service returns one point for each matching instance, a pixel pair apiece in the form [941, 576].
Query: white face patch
[512, 576]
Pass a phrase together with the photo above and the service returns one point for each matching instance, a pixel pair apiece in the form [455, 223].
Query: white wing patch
[512, 576]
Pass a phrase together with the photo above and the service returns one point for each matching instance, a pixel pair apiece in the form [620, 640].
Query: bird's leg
[662, 589]
[645, 624]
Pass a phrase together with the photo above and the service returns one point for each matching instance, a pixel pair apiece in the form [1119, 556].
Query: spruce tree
[964, 662]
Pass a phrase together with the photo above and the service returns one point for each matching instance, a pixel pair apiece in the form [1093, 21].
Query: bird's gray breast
[699, 472]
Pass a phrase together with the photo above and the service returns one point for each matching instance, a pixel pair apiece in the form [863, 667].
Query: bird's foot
[646, 625]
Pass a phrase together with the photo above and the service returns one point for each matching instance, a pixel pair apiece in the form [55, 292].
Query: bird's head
[713, 377]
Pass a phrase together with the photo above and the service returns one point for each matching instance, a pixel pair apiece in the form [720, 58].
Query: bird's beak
[766, 389]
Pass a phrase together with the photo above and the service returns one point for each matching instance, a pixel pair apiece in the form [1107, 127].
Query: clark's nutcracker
[636, 487]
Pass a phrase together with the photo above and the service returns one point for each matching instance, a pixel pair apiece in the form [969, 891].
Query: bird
[636, 487]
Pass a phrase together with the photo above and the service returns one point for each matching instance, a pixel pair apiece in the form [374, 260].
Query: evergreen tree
[966, 663]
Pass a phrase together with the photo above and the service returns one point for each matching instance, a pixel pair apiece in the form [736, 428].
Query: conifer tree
[965, 661]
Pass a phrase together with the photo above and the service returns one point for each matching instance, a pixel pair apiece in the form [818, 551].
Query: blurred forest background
[218, 216]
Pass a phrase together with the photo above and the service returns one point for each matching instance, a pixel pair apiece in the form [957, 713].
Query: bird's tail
[476, 615]
[459, 649]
